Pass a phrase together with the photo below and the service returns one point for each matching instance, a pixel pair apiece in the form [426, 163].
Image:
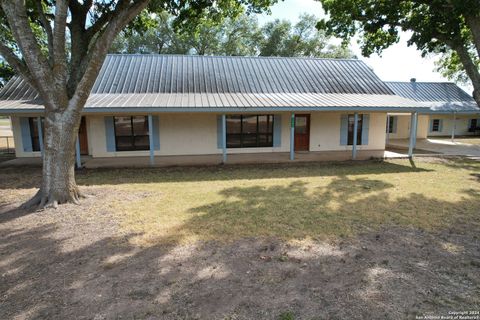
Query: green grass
[290, 202]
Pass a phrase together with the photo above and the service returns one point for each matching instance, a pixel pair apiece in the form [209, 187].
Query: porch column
[413, 133]
[454, 125]
[224, 139]
[388, 129]
[77, 154]
[150, 139]
[40, 134]
[355, 136]
[292, 137]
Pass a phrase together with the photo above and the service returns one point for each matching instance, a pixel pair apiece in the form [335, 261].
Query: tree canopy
[441, 26]
[59, 46]
[240, 35]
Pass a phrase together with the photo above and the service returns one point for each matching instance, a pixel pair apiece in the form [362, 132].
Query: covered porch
[212, 159]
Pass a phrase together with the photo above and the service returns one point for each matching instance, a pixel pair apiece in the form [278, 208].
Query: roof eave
[96, 110]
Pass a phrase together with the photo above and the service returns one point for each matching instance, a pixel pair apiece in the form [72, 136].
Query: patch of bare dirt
[72, 263]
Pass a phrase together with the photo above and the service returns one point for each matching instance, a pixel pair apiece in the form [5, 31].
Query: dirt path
[68, 264]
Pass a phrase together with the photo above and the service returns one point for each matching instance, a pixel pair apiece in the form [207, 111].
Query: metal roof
[438, 96]
[167, 81]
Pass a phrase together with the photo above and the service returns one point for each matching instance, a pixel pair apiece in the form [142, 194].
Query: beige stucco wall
[193, 134]
[403, 127]
[180, 134]
[196, 133]
[461, 128]
[325, 132]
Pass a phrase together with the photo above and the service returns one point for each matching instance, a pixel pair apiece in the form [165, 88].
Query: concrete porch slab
[439, 146]
[213, 159]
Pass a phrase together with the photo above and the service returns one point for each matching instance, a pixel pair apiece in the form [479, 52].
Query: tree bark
[58, 176]
[470, 68]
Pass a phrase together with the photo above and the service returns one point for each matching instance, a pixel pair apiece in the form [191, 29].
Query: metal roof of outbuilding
[438, 96]
[167, 81]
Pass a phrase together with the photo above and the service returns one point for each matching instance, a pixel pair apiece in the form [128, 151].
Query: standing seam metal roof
[439, 96]
[212, 81]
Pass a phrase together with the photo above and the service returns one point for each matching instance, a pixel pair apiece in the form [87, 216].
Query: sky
[397, 63]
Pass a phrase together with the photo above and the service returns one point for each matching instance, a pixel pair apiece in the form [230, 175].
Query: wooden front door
[82, 137]
[302, 132]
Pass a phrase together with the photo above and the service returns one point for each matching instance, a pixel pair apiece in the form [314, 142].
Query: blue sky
[397, 63]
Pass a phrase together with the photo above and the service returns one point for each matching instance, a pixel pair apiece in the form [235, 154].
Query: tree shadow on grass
[388, 268]
[26, 178]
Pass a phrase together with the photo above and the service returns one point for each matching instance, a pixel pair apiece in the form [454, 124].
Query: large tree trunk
[58, 179]
[470, 68]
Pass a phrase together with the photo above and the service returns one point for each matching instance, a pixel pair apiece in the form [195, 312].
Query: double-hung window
[131, 133]
[391, 124]
[34, 134]
[435, 125]
[249, 131]
[473, 124]
[351, 122]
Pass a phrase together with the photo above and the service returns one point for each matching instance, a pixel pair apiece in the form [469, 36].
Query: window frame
[473, 127]
[132, 135]
[33, 127]
[267, 135]
[359, 129]
[391, 120]
[438, 125]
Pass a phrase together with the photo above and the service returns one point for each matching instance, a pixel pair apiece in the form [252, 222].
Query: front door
[302, 132]
[82, 137]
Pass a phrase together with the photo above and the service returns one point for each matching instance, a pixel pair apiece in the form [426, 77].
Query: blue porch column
[454, 125]
[78, 160]
[355, 136]
[413, 133]
[224, 138]
[150, 139]
[388, 129]
[292, 137]
[40, 134]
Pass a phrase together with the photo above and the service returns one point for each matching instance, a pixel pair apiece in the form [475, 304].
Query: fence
[7, 145]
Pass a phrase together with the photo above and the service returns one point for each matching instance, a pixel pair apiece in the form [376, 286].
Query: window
[391, 124]
[34, 136]
[131, 133]
[249, 131]
[473, 124]
[435, 125]
[351, 120]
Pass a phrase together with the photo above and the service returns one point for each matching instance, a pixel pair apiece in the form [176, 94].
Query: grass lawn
[381, 240]
[292, 203]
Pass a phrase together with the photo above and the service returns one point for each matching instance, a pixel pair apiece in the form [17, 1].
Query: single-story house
[174, 105]
[452, 112]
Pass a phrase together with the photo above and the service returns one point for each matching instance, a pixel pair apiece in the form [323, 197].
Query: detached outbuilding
[157, 106]
[452, 112]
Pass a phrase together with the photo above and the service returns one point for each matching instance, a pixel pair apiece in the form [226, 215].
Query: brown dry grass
[310, 201]
[366, 240]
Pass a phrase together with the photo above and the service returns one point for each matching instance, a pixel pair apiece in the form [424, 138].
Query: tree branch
[99, 49]
[47, 27]
[470, 68]
[474, 24]
[17, 64]
[59, 51]
[36, 62]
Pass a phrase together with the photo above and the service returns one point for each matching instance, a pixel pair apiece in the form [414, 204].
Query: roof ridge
[434, 82]
[232, 57]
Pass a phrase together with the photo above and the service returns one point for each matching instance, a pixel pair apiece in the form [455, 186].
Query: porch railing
[7, 145]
